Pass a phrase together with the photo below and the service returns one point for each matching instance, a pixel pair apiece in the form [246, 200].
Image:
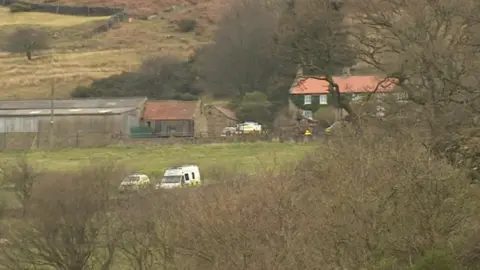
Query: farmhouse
[218, 118]
[311, 94]
[172, 118]
[74, 120]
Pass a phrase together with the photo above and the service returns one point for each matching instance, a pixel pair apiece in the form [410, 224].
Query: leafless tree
[431, 49]
[66, 227]
[315, 36]
[27, 40]
[148, 227]
[21, 177]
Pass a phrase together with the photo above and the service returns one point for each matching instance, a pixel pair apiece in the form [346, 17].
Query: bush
[187, 25]
[20, 7]
[158, 77]
[370, 202]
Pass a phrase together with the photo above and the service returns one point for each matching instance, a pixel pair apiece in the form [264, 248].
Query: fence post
[77, 139]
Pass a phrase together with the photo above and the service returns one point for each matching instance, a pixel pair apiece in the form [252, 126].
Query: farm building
[72, 119]
[218, 118]
[172, 118]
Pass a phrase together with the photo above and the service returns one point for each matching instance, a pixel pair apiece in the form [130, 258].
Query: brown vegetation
[385, 203]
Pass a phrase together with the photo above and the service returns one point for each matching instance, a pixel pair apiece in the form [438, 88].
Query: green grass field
[155, 159]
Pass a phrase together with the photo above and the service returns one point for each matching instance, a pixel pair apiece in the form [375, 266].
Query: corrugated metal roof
[72, 103]
[88, 111]
[353, 84]
[170, 110]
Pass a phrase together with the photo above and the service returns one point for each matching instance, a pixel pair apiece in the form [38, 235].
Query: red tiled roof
[170, 110]
[352, 84]
[228, 113]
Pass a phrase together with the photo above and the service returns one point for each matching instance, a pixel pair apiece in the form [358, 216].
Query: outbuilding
[70, 121]
[173, 118]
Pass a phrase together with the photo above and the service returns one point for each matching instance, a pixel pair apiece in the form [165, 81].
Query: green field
[155, 159]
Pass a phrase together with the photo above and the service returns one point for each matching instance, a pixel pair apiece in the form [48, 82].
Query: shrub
[20, 7]
[187, 25]
[158, 77]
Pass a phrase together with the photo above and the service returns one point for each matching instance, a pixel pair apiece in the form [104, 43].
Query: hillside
[77, 57]
[208, 9]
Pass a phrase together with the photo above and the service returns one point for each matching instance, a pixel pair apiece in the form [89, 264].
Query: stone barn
[218, 118]
[173, 118]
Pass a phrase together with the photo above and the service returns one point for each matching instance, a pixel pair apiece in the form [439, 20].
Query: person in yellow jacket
[190, 183]
[308, 132]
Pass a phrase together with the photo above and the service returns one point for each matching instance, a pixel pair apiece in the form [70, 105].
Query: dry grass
[44, 19]
[78, 61]
[20, 78]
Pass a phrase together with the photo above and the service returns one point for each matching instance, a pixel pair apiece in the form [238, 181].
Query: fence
[86, 139]
[117, 15]
[65, 9]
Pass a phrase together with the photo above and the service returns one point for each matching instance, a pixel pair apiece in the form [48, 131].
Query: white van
[185, 175]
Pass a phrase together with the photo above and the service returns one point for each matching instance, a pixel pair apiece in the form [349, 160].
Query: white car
[135, 182]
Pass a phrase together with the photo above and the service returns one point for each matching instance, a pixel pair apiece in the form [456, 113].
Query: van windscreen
[172, 179]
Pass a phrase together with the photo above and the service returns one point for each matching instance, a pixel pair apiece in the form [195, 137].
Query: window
[193, 175]
[186, 177]
[401, 96]
[307, 99]
[356, 97]
[307, 114]
[323, 99]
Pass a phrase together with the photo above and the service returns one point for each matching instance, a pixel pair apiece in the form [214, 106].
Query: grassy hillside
[77, 58]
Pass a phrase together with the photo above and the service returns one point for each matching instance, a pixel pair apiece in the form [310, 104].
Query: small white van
[180, 176]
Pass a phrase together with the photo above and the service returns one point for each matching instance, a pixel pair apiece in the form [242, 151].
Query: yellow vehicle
[135, 182]
[243, 128]
[181, 176]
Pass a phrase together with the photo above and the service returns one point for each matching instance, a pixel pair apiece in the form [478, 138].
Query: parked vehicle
[243, 128]
[334, 126]
[135, 181]
[180, 176]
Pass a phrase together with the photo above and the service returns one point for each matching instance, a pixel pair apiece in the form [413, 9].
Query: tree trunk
[29, 55]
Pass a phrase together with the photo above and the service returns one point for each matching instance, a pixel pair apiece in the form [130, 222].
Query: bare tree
[27, 40]
[148, 226]
[21, 177]
[315, 36]
[66, 226]
[431, 49]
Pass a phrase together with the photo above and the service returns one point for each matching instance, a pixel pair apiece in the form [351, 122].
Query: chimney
[346, 72]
